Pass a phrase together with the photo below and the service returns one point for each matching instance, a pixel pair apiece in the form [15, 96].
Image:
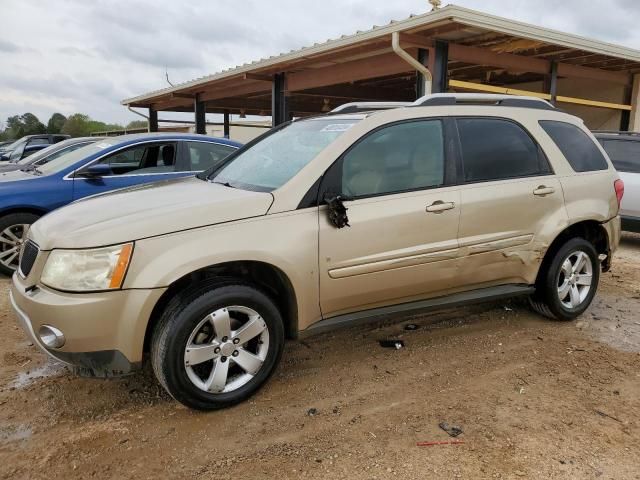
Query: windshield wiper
[32, 169]
[226, 184]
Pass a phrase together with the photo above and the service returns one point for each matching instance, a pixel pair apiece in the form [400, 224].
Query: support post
[630, 120]
[153, 120]
[553, 82]
[227, 128]
[200, 114]
[439, 66]
[423, 59]
[279, 100]
[634, 121]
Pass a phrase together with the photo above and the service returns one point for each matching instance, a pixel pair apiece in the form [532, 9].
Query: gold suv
[334, 220]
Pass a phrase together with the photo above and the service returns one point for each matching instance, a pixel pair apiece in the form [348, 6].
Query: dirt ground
[536, 399]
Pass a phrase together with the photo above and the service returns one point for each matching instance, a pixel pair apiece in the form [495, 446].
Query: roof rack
[444, 99]
[357, 107]
[616, 132]
[441, 99]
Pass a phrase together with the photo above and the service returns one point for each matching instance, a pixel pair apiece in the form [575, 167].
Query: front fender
[288, 241]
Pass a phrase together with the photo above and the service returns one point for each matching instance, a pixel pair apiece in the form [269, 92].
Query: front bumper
[104, 332]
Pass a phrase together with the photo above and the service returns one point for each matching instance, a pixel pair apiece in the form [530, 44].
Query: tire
[13, 231]
[555, 297]
[188, 331]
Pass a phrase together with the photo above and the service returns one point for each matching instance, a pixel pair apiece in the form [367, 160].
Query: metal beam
[226, 124]
[440, 67]
[279, 100]
[199, 108]
[153, 120]
[363, 69]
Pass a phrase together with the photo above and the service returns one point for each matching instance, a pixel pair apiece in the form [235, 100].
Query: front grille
[28, 258]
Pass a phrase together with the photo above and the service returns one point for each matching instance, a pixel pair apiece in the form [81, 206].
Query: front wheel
[217, 345]
[13, 232]
[568, 284]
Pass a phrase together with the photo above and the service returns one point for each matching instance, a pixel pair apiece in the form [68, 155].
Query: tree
[137, 124]
[56, 122]
[77, 125]
[27, 124]
[80, 125]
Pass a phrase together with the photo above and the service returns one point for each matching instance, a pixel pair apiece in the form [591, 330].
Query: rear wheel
[13, 233]
[569, 282]
[217, 345]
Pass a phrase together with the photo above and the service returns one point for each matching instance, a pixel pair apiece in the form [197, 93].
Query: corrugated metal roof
[448, 14]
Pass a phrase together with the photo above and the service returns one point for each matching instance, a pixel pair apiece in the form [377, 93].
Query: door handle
[541, 191]
[440, 206]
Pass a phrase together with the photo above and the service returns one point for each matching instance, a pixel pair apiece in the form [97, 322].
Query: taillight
[619, 187]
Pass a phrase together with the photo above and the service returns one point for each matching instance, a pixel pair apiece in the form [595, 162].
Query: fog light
[51, 336]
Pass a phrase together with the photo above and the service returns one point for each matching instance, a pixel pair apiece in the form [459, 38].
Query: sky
[86, 56]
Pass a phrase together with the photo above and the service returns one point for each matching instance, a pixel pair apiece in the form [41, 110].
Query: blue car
[108, 164]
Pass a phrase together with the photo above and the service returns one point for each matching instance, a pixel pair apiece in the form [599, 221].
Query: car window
[206, 155]
[280, 154]
[624, 154]
[59, 153]
[497, 149]
[142, 159]
[401, 157]
[70, 159]
[38, 141]
[577, 147]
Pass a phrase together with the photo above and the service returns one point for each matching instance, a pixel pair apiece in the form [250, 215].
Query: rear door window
[625, 154]
[577, 147]
[205, 155]
[498, 149]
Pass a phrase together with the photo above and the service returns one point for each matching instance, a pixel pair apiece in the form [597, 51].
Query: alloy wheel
[574, 280]
[11, 239]
[226, 349]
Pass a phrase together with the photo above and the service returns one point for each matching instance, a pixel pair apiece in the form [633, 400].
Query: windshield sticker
[337, 127]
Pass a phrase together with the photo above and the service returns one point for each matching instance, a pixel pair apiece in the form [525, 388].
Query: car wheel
[568, 284]
[13, 232]
[217, 344]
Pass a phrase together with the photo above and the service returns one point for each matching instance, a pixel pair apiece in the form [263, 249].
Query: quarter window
[203, 155]
[580, 151]
[401, 157]
[624, 154]
[496, 149]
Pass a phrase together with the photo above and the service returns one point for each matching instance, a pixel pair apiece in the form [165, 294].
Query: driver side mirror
[97, 170]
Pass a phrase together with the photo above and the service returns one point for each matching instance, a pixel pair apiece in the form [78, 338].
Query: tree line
[76, 125]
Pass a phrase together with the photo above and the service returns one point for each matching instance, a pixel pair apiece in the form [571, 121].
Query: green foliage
[56, 122]
[137, 124]
[76, 125]
[21, 125]
[80, 125]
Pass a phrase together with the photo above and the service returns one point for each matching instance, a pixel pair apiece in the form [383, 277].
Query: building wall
[595, 118]
[239, 133]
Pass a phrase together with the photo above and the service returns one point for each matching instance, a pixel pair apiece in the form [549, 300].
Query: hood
[15, 175]
[6, 167]
[146, 211]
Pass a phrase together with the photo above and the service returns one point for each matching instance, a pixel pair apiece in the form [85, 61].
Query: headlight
[87, 270]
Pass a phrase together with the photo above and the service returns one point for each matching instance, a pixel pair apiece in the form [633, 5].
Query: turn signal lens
[121, 266]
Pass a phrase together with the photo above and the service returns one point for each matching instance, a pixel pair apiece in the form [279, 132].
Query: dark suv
[28, 145]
